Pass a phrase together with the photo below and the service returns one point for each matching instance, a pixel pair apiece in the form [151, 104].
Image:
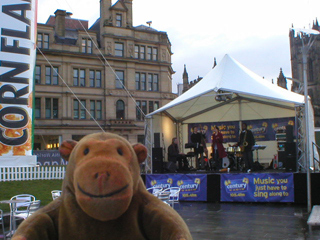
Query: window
[138, 111]
[43, 41]
[150, 81]
[151, 106]
[156, 105]
[120, 79]
[86, 45]
[144, 107]
[120, 109]
[142, 52]
[92, 109]
[143, 82]
[75, 109]
[37, 108]
[96, 109]
[95, 78]
[137, 81]
[82, 78]
[140, 81]
[48, 75]
[118, 20]
[136, 51]
[52, 107]
[155, 54]
[83, 109]
[119, 50]
[79, 110]
[149, 53]
[52, 76]
[155, 83]
[37, 75]
[79, 77]
[75, 77]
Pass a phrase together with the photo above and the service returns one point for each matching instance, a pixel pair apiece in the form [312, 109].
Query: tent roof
[229, 77]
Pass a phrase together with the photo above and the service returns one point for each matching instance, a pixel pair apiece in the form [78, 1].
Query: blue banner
[193, 186]
[260, 187]
[262, 129]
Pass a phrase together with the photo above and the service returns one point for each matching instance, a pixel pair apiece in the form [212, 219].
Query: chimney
[128, 4]
[60, 22]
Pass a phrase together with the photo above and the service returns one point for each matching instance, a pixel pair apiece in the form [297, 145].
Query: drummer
[218, 151]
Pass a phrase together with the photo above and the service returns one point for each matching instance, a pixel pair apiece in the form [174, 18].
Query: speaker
[157, 167]
[157, 160]
[290, 148]
[156, 140]
[290, 164]
[289, 133]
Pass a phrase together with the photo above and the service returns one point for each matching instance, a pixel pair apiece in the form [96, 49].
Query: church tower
[185, 78]
[282, 81]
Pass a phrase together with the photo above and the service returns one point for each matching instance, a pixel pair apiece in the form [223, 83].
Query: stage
[214, 190]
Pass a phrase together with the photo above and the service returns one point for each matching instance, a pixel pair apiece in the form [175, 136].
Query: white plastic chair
[164, 197]
[20, 209]
[55, 194]
[34, 206]
[174, 193]
[155, 190]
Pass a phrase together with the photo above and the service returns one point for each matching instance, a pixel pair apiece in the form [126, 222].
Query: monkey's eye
[86, 151]
[120, 152]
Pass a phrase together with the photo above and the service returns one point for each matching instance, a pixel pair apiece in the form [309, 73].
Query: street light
[304, 50]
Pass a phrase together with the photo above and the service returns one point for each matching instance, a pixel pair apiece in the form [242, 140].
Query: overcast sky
[254, 32]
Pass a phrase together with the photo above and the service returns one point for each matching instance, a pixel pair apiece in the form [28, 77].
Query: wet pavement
[246, 221]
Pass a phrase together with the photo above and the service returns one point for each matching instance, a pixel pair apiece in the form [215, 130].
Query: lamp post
[304, 50]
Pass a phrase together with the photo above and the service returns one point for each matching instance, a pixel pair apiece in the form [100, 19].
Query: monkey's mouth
[105, 195]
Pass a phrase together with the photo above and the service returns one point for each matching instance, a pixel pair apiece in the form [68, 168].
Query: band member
[175, 156]
[218, 151]
[197, 139]
[246, 142]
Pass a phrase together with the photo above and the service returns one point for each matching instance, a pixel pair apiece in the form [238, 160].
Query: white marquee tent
[229, 92]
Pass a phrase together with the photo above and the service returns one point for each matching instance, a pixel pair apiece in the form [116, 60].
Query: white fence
[31, 173]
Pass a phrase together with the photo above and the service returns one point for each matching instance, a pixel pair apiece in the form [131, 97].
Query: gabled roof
[119, 5]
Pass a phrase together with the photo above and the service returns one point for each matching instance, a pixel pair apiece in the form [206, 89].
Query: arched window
[120, 109]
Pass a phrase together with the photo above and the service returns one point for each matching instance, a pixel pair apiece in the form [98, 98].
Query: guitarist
[246, 142]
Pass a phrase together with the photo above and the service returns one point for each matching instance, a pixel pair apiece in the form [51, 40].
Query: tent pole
[306, 118]
[240, 114]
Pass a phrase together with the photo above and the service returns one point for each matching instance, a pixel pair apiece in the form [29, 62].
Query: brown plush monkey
[103, 197]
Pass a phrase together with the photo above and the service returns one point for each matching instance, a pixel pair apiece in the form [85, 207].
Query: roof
[232, 78]
[71, 23]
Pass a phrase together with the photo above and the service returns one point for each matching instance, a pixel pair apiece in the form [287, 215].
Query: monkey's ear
[66, 148]
[141, 152]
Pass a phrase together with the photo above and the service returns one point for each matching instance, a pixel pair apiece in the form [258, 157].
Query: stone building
[313, 67]
[102, 78]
